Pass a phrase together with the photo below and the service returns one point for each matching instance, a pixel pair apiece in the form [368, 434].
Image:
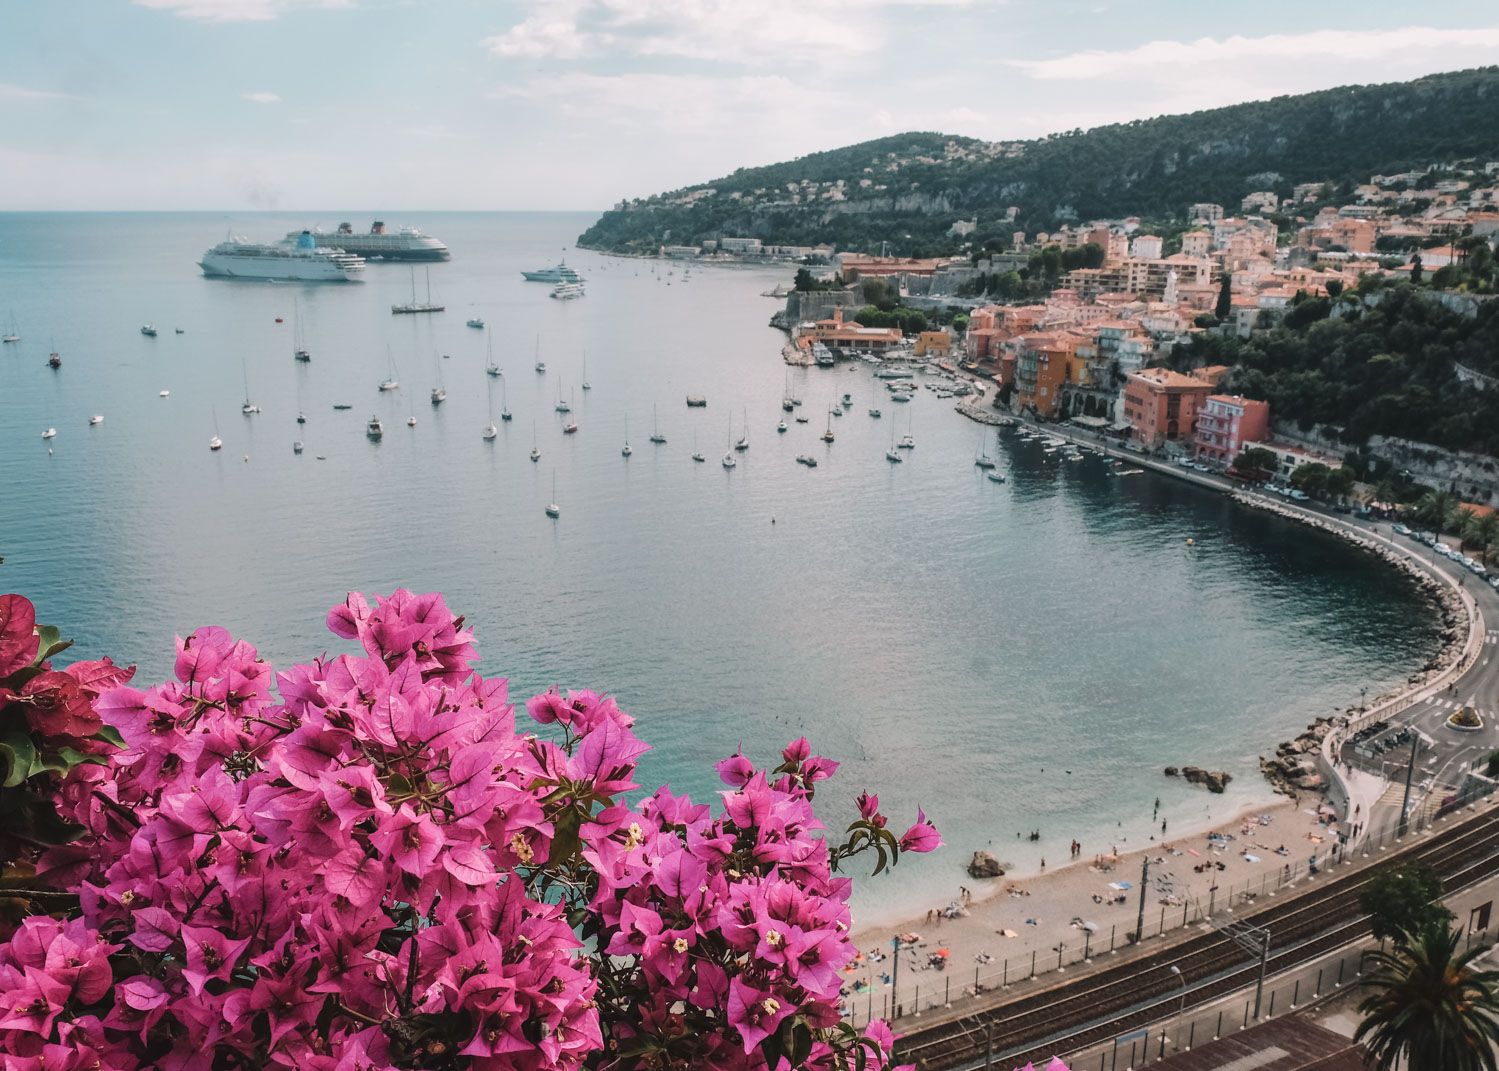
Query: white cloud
[236, 10]
[9, 91]
[261, 98]
[724, 31]
[1168, 59]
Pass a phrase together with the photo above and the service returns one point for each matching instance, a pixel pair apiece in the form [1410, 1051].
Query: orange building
[847, 335]
[1041, 368]
[1161, 405]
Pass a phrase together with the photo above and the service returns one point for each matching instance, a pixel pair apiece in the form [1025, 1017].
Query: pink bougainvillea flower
[921, 837]
[18, 639]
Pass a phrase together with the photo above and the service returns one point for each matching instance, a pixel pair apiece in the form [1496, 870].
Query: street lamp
[1181, 1007]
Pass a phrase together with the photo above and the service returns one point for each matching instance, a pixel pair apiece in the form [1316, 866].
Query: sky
[575, 104]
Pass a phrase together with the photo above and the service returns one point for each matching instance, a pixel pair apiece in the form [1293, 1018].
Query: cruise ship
[561, 273]
[403, 243]
[302, 260]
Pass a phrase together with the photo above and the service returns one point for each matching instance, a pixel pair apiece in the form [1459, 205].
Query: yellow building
[933, 344]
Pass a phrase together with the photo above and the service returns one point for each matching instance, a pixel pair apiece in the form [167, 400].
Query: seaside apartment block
[1226, 424]
[1161, 406]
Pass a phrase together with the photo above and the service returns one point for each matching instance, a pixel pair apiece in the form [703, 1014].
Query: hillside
[910, 188]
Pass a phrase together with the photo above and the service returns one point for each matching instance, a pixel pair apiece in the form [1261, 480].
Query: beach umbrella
[944, 953]
[1056, 1065]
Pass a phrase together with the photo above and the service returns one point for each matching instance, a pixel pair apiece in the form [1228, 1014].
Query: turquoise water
[955, 643]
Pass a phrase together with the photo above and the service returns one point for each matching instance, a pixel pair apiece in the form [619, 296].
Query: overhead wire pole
[1144, 888]
[1417, 739]
[1255, 940]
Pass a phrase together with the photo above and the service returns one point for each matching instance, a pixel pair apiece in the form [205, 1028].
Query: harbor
[925, 575]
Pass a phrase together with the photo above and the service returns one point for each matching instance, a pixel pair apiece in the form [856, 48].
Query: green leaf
[51, 643]
[73, 757]
[19, 753]
[110, 735]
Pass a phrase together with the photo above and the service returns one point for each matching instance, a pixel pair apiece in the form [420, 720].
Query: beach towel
[1251, 858]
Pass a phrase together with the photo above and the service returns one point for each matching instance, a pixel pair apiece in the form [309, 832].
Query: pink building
[1226, 423]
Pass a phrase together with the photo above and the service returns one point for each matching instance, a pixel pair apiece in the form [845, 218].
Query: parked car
[1299, 496]
[1401, 529]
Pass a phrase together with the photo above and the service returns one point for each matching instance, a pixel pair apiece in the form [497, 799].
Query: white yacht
[303, 260]
[50, 433]
[374, 429]
[568, 291]
[95, 420]
[561, 273]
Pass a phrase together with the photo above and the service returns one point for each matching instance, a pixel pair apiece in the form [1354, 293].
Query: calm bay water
[955, 643]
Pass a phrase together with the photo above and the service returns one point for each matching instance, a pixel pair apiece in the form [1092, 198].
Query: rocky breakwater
[1292, 770]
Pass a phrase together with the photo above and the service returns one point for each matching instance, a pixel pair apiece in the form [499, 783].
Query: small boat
[249, 408]
[900, 397]
[586, 385]
[95, 420]
[696, 401]
[875, 413]
[178, 331]
[571, 428]
[697, 456]
[492, 369]
[906, 442]
[802, 420]
[215, 443]
[301, 418]
[552, 509]
[389, 383]
[50, 433]
[625, 450]
[806, 459]
[13, 335]
[374, 429]
[342, 405]
[848, 401]
[827, 436]
[296, 447]
[568, 291]
[728, 460]
[490, 431]
[893, 455]
[996, 477]
[54, 360]
[299, 348]
[535, 454]
[411, 421]
[982, 459]
[164, 394]
[743, 444]
[476, 323]
[541, 368]
[656, 436]
[561, 406]
[149, 330]
[780, 427]
[439, 395]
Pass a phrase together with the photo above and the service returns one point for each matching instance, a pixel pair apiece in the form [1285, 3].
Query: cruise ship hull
[368, 249]
[228, 266]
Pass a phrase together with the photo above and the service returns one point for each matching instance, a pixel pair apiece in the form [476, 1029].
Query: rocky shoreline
[1293, 767]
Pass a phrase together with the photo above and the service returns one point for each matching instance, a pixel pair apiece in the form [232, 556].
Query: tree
[1400, 899]
[1311, 478]
[960, 322]
[1429, 1006]
[1416, 270]
[1434, 508]
[1482, 531]
[1225, 303]
[804, 280]
[1334, 287]
[1256, 463]
[1460, 522]
[377, 867]
[1340, 482]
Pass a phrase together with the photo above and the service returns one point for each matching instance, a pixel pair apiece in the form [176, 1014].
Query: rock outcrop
[984, 865]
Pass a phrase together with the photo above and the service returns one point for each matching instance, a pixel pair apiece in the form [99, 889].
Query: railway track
[1077, 1013]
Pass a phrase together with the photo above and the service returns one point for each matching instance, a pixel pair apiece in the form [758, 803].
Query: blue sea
[1010, 657]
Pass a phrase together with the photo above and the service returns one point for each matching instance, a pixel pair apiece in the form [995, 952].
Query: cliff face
[917, 184]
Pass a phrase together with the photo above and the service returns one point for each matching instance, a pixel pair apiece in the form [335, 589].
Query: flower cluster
[368, 866]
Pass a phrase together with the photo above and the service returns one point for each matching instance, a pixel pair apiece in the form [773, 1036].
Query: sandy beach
[993, 930]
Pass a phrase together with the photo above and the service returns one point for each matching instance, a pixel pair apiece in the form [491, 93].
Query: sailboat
[418, 306]
[728, 457]
[562, 407]
[586, 384]
[696, 454]
[827, 436]
[983, 460]
[743, 443]
[390, 382]
[656, 436]
[215, 443]
[780, 427]
[893, 455]
[625, 450]
[553, 510]
[541, 366]
[907, 441]
[504, 407]
[12, 335]
[249, 408]
[439, 392]
[490, 369]
[299, 348]
[490, 431]
[535, 453]
[54, 360]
